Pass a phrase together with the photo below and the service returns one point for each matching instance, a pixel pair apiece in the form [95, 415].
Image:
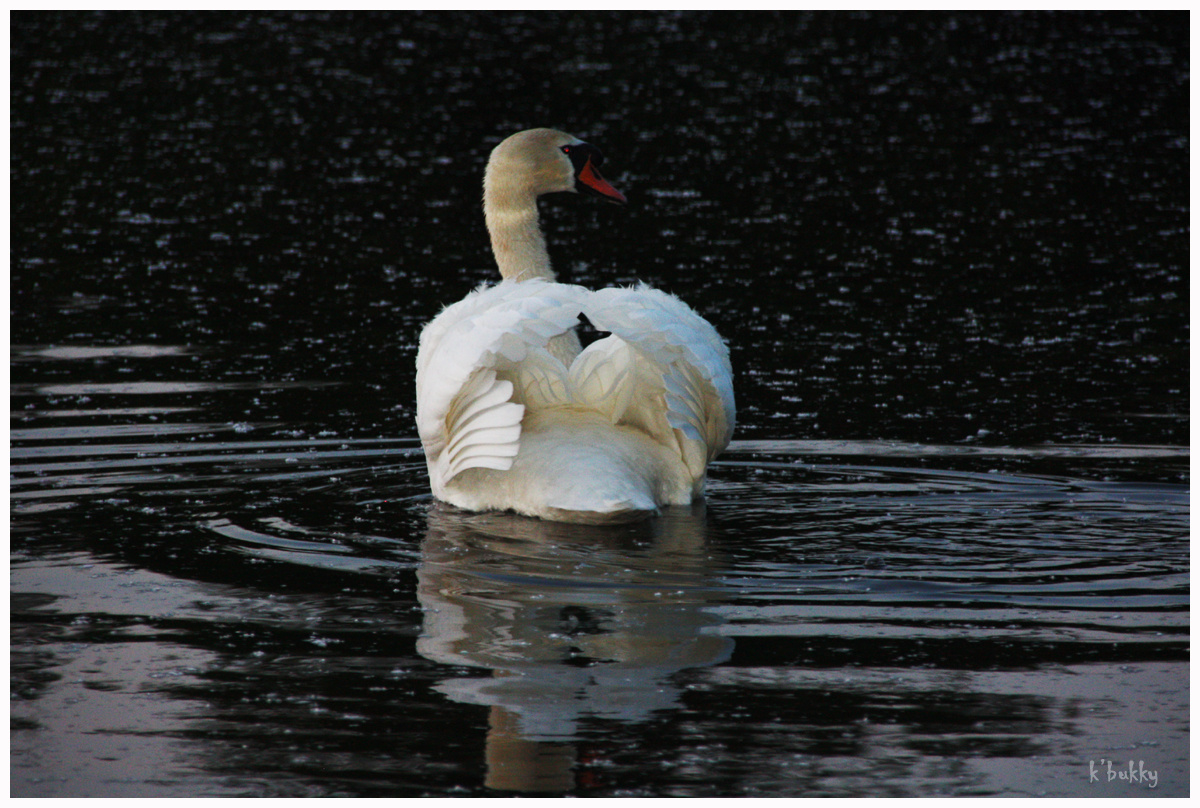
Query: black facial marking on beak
[584, 159]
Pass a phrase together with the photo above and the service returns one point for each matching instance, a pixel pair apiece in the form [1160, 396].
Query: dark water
[947, 552]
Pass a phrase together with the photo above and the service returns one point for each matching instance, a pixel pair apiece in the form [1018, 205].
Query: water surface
[945, 554]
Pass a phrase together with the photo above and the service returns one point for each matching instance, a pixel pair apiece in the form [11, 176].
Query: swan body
[514, 415]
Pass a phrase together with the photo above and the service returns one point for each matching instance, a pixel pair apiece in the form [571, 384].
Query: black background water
[946, 554]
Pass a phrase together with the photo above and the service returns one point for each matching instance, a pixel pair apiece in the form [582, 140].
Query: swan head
[546, 161]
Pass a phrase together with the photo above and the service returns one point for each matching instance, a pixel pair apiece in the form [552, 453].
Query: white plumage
[514, 416]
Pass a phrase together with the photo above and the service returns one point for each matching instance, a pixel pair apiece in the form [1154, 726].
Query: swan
[514, 415]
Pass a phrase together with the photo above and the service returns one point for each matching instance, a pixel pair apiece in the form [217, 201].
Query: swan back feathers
[484, 361]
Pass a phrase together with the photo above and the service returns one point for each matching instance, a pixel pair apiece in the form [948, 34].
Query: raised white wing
[681, 369]
[484, 360]
[468, 413]
[604, 377]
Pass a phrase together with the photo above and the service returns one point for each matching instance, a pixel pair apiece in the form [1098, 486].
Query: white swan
[513, 415]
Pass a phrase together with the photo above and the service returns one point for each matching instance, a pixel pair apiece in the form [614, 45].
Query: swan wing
[604, 377]
[478, 361]
[682, 378]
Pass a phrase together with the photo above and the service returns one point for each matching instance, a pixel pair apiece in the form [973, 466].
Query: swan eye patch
[585, 148]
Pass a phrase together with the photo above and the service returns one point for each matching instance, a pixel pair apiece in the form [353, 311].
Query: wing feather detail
[469, 410]
[602, 377]
[681, 352]
[486, 360]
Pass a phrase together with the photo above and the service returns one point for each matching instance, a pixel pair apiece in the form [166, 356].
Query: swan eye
[566, 150]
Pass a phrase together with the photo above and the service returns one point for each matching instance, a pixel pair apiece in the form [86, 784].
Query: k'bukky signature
[1106, 772]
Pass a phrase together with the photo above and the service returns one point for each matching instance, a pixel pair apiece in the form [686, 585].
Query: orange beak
[590, 178]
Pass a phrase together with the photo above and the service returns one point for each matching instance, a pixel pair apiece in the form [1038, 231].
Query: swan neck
[517, 240]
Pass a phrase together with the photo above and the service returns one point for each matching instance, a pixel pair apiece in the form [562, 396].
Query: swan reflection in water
[569, 621]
